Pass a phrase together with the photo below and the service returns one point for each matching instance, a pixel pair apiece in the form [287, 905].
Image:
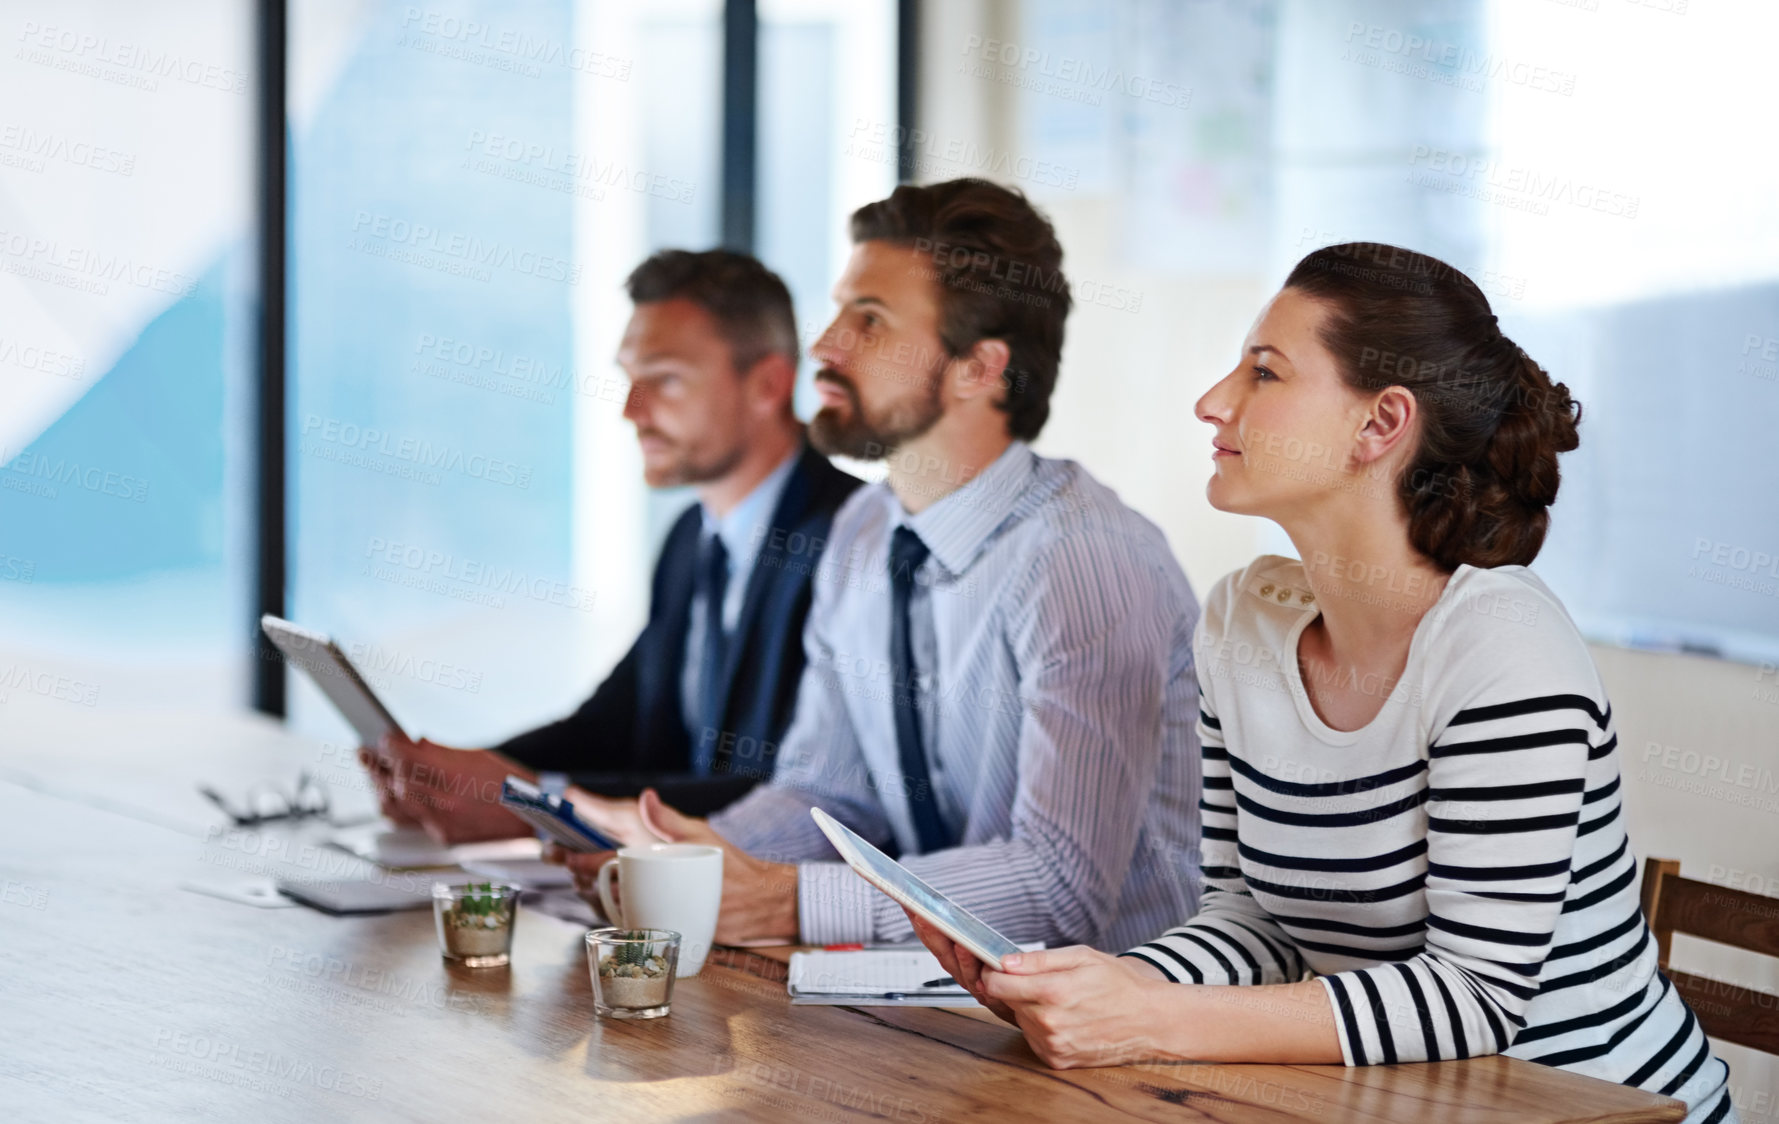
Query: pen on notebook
[942, 981]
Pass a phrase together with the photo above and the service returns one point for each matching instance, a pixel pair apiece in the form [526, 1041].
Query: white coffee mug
[676, 886]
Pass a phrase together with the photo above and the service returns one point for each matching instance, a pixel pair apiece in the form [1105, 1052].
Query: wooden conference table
[124, 997]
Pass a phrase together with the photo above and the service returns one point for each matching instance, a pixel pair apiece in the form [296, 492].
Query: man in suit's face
[696, 416]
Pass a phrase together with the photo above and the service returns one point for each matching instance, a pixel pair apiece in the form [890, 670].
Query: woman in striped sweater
[1411, 779]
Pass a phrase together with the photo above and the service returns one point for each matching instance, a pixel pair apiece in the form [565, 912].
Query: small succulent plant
[483, 905]
[634, 949]
[631, 957]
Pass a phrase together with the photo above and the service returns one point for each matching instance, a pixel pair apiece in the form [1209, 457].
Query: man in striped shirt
[999, 684]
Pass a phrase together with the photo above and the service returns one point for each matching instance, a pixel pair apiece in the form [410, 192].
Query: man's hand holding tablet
[453, 793]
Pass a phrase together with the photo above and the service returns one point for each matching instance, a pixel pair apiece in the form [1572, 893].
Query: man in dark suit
[697, 707]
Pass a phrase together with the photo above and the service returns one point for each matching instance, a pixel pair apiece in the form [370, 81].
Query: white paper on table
[406, 848]
[875, 977]
[565, 905]
[260, 893]
[529, 874]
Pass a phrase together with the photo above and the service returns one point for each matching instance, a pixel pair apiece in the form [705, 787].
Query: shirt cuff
[1340, 1026]
[833, 904]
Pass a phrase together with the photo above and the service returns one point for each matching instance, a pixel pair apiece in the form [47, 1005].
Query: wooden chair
[1732, 1012]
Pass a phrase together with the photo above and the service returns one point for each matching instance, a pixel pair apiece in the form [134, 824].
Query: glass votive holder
[632, 971]
[475, 921]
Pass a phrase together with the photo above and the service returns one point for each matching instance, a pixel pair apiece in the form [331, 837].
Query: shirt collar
[958, 526]
[744, 527]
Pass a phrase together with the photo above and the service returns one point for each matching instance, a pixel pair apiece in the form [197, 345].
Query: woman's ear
[1387, 424]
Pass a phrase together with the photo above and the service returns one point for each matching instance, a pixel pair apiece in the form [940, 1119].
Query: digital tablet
[357, 895]
[553, 815]
[900, 884]
[322, 659]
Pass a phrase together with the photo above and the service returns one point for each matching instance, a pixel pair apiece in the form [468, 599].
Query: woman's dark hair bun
[1484, 475]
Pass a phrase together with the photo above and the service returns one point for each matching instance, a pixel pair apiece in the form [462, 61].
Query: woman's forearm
[1277, 1023]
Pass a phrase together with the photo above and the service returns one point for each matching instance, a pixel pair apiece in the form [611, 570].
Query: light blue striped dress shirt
[1052, 631]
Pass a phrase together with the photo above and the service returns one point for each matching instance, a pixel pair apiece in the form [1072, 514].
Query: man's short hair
[750, 303]
[999, 269]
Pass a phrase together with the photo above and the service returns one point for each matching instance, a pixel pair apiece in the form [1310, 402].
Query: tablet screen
[925, 900]
[329, 668]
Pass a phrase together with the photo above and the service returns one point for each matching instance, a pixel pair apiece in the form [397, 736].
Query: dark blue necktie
[713, 586]
[907, 552]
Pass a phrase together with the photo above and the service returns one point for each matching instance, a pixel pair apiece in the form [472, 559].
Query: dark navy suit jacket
[632, 733]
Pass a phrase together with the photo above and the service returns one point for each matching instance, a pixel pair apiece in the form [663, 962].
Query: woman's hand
[1082, 1007]
[960, 964]
[1078, 1007]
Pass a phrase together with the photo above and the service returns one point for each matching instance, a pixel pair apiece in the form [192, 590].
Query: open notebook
[879, 977]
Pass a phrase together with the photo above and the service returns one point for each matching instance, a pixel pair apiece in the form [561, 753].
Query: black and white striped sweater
[1457, 871]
